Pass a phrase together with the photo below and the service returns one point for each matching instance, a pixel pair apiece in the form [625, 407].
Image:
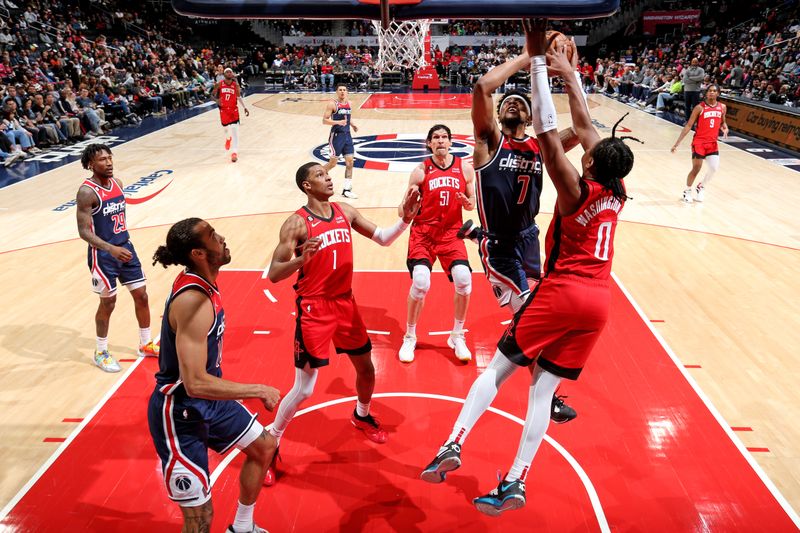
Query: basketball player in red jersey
[338, 115]
[557, 327]
[228, 96]
[710, 118]
[318, 236]
[102, 224]
[447, 184]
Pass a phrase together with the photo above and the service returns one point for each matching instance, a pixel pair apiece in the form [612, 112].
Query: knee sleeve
[462, 279]
[712, 165]
[420, 282]
[304, 382]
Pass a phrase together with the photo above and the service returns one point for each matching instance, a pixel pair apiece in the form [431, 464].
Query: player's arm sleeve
[386, 236]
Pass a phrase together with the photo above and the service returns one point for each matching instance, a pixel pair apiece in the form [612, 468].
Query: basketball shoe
[687, 195]
[560, 412]
[406, 353]
[105, 362]
[469, 231]
[447, 460]
[700, 193]
[459, 345]
[227, 144]
[507, 496]
[348, 193]
[371, 427]
[234, 157]
[255, 529]
[151, 349]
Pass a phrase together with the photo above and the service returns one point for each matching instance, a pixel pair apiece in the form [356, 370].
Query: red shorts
[701, 149]
[426, 244]
[229, 116]
[322, 320]
[559, 325]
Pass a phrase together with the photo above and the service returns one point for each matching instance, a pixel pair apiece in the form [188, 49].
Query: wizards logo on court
[399, 152]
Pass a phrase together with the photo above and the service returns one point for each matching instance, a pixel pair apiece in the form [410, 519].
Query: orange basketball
[556, 39]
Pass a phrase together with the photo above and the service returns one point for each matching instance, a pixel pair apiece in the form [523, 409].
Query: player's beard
[511, 122]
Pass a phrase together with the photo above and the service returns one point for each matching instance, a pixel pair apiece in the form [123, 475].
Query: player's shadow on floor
[427, 349]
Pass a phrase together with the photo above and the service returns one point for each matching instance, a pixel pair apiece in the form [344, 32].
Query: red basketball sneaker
[234, 158]
[371, 427]
[271, 476]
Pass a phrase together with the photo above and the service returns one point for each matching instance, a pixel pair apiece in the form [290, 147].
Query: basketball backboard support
[399, 9]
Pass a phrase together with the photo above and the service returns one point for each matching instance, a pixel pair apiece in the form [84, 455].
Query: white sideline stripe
[594, 499]
[260, 332]
[265, 273]
[376, 332]
[52, 459]
[270, 296]
[448, 332]
[717, 415]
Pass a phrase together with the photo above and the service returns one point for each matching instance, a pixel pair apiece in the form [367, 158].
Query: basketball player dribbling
[555, 330]
[228, 96]
[710, 118]
[101, 223]
[316, 242]
[447, 184]
[338, 115]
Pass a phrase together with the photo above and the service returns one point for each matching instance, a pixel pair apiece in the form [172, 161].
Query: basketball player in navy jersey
[508, 183]
[555, 330]
[316, 242]
[338, 115]
[192, 407]
[101, 223]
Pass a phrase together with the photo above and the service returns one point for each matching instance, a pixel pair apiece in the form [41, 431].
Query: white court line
[717, 415]
[52, 459]
[265, 273]
[260, 332]
[448, 332]
[376, 332]
[582, 475]
[270, 296]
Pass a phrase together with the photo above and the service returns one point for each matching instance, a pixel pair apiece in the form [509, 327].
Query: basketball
[556, 39]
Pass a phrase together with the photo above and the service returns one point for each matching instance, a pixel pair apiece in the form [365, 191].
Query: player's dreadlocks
[92, 150]
[181, 240]
[613, 160]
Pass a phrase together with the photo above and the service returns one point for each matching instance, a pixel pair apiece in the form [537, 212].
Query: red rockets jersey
[228, 95]
[330, 272]
[440, 206]
[708, 123]
[582, 244]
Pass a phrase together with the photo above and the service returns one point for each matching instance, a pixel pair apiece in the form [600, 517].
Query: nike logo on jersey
[315, 223]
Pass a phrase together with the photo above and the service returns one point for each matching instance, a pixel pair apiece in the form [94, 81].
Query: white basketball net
[402, 43]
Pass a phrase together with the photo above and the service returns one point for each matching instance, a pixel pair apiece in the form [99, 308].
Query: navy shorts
[184, 428]
[341, 143]
[106, 270]
[510, 262]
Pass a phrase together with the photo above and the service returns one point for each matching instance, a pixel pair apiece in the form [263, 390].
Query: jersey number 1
[603, 241]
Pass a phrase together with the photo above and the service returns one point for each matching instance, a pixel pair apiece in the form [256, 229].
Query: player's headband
[228, 70]
[518, 97]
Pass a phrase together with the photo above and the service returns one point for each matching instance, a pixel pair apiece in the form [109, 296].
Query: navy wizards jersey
[108, 218]
[341, 111]
[508, 187]
[168, 377]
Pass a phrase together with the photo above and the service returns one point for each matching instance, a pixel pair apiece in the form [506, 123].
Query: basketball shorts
[425, 245]
[321, 320]
[701, 150]
[558, 325]
[340, 143]
[106, 270]
[184, 428]
[229, 116]
[509, 263]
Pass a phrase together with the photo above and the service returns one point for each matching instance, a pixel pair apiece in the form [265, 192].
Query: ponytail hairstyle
[613, 160]
[181, 240]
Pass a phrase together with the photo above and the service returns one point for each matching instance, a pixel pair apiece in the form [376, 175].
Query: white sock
[362, 409]
[348, 184]
[458, 326]
[540, 397]
[244, 517]
[234, 129]
[411, 329]
[227, 132]
[144, 336]
[481, 395]
[102, 344]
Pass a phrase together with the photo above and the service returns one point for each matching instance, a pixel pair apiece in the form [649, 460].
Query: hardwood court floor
[717, 279]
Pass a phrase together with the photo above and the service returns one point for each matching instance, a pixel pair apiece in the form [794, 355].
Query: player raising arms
[316, 242]
[228, 95]
[447, 184]
[557, 327]
[338, 115]
[710, 118]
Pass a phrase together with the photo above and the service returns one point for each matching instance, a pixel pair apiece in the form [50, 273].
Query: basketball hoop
[402, 43]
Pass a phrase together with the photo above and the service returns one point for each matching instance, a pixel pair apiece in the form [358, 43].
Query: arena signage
[766, 123]
[54, 156]
[131, 191]
[651, 19]
[399, 152]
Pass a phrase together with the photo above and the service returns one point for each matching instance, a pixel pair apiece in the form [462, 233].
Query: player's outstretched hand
[121, 254]
[535, 36]
[411, 203]
[310, 248]
[558, 63]
[466, 203]
[246, 112]
[271, 397]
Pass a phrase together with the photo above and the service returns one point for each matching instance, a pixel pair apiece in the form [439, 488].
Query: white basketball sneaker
[700, 193]
[406, 354]
[687, 196]
[459, 345]
[348, 193]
